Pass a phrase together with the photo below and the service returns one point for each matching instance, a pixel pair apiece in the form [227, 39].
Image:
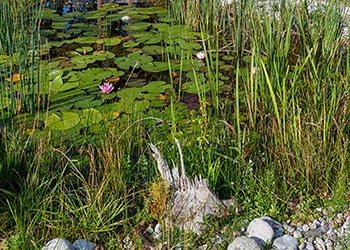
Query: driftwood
[191, 200]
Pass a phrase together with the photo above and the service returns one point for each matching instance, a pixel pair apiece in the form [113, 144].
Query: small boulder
[83, 245]
[58, 244]
[244, 243]
[286, 242]
[260, 231]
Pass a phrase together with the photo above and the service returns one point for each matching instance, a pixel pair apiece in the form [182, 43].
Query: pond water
[125, 46]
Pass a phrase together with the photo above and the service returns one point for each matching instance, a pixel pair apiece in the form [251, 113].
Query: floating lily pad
[63, 19]
[95, 14]
[154, 49]
[155, 66]
[84, 49]
[149, 39]
[130, 44]
[95, 73]
[104, 54]
[83, 58]
[46, 32]
[140, 17]
[131, 93]
[56, 43]
[114, 17]
[158, 104]
[67, 121]
[137, 27]
[156, 87]
[167, 19]
[160, 25]
[73, 14]
[59, 25]
[112, 41]
[86, 39]
[139, 82]
[74, 31]
[63, 35]
[93, 32]
[91, 116]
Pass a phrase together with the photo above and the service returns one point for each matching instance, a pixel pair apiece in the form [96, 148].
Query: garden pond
[150, 60]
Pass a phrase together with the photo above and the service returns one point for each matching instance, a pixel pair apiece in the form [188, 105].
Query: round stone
[244, 243]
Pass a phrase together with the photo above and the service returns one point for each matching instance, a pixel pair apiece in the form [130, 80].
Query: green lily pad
[95, 14]
[73, 14]
[137, 27]
[95, 74]
[103, 54]
[59, 25]
[85, 39]
[112, 41]
[83, 58]
[67, 121]
[79, 65]
[158, 104]
[46, 32]
[74, 31]
[140, 17]
[56, 43]
[160, 25]
[156, 87]
[139, 82]
[130, 93]
[167, 19]
[63, 19]
[63, 35]
[84, 49]
[91, 116]
[149, 39]
[154, 49]
[155, 66]
[130, 44]
[114, 17]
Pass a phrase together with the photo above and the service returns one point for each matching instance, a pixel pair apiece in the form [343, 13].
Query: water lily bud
[200, 55]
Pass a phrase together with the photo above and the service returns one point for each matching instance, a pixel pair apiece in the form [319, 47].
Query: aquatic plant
[106, 87]
[200, 55]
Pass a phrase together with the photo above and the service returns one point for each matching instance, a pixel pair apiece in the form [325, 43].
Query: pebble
[261, 231]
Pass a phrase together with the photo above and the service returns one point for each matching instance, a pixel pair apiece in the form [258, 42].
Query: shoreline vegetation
[256, 92]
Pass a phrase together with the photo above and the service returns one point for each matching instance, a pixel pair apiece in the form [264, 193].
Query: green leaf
[91, 116]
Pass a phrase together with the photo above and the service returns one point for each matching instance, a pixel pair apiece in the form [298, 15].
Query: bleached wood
[191, 200]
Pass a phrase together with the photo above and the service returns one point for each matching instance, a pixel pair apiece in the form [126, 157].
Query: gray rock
[83, 245]
[58, 244]
[244, 243]
[261, 231]
[297, 234]
[286, 242]
[302, 246]
[309, 246]
[316, 232]
[320, 244]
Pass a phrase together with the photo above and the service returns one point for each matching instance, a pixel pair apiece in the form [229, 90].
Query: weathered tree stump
[191, 200]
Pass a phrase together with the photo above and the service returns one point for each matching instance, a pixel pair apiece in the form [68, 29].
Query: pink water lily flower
[200, 55]
[106, 87]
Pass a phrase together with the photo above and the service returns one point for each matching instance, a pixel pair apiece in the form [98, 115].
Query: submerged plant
[106, 87]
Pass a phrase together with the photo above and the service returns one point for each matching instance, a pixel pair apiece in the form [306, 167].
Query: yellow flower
[16, 78]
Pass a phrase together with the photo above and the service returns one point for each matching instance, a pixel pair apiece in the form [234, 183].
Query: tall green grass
[19, 44]
[291, 84]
